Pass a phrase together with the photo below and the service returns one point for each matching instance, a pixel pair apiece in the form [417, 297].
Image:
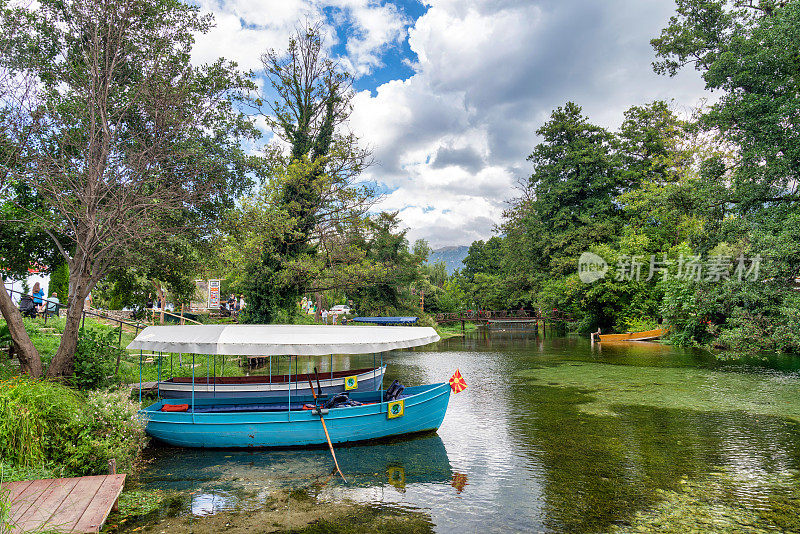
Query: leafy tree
[566, 207]
[650, 145]
[572, 190]
[453, 298]
[315, 174]
[59, 281]
[127, 139]
[486, 258]
[396, 269]
[437, 274]
[748, 50]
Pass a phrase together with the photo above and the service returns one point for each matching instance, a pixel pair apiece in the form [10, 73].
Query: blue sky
[449, 93]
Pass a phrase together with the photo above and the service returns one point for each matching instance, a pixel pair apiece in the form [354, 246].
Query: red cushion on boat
[308, 406]
[175, 408]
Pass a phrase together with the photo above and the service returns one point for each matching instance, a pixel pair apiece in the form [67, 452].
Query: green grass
[454, 329]
[12, 473]
[46, 338]
[177, 365]
[5, 506]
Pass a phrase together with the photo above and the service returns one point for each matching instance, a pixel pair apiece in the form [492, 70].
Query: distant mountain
[451, 256]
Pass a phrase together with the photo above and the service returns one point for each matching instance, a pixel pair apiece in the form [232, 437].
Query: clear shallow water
[552, 435]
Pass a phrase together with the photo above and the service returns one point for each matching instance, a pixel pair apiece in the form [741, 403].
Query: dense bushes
[43, 424]
[95, 359]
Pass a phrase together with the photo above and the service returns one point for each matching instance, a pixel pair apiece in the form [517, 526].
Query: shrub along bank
[52, 430]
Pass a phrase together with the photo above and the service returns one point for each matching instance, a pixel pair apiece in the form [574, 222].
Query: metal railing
[182, 317]
[47, 311]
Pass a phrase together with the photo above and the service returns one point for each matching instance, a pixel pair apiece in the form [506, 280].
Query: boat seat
[238, 408]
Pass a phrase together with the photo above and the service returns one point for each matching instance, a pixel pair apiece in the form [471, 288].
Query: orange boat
[633, 336]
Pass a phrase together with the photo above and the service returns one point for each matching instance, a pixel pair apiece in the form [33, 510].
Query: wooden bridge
[483, 316]
[505, 318]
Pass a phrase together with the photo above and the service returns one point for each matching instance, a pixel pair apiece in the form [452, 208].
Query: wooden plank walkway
[78, 505]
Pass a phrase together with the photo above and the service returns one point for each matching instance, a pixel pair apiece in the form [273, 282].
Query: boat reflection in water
[218, 480]
[416, 459]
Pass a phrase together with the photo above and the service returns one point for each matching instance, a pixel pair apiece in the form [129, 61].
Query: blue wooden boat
[237, 422]
[293, 420]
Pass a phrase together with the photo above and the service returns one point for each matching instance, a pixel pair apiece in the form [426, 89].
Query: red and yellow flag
[457, 382]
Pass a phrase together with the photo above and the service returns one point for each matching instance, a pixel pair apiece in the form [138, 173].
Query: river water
[552, 435]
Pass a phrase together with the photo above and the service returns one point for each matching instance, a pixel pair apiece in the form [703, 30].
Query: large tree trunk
[318, 312]
[160, 299]
[29, 359]
[63, 363]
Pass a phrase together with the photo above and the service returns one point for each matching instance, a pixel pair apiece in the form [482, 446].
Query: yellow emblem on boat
[397, 477]
[395, 409]
[351, 382]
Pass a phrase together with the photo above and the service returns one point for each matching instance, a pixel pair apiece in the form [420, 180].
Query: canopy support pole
[158, 383]
[381, 378]
[289, 416]
[140, 375]
[193, 388]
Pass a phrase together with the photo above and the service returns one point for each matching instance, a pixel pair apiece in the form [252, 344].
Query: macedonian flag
[457, 382]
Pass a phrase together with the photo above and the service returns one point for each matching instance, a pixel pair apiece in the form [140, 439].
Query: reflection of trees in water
[210, 482]
[421, 458]
[599, 470]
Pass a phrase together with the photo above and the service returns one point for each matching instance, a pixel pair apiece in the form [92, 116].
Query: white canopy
[273, 340]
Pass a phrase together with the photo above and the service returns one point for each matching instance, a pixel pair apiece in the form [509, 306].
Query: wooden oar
[319, 388]
[325, 428]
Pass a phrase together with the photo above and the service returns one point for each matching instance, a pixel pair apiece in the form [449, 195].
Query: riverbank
[299, 510]
[450, 330]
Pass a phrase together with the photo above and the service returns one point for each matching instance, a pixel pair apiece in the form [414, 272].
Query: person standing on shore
[38, 296]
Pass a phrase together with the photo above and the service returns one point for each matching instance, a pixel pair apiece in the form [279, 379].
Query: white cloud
[451, 140]
[245, 29]
[378, 29]
[487, 75]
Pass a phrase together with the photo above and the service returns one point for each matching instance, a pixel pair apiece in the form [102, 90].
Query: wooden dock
[78, 505]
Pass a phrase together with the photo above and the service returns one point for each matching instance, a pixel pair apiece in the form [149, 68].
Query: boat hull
[366, 381]
[424, 410]
[634, 336]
